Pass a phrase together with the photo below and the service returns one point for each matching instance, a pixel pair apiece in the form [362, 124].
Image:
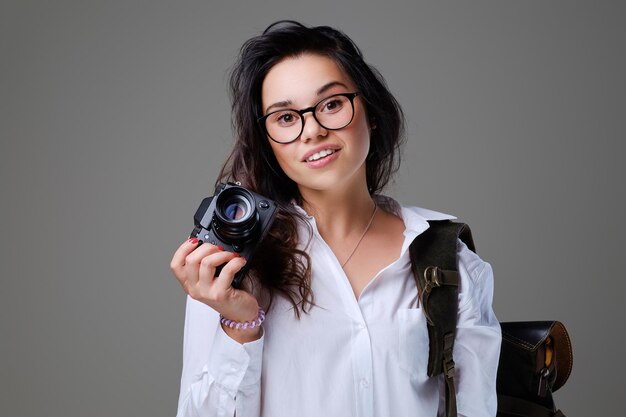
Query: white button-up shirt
[363, 357]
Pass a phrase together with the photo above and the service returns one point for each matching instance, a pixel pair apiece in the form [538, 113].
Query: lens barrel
[236, 219]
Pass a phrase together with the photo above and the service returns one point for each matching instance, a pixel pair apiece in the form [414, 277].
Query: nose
[311, 128]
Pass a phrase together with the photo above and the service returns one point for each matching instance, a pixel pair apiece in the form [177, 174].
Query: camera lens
[236, 209]
[235, 217]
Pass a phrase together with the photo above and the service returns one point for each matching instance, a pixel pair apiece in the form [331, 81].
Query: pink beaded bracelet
[238, 325]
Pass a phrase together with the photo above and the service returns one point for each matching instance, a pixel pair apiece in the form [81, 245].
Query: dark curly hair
[254, 165]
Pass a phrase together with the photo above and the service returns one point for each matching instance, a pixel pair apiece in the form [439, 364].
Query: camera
[236, 219]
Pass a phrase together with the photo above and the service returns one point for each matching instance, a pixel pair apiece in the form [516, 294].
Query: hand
[194, 267]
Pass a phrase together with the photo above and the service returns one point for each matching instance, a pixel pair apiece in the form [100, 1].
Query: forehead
[297, 79]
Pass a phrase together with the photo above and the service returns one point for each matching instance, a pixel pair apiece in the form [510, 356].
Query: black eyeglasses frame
[349, 96]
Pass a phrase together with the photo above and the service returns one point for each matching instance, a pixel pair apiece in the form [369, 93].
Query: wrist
[243, 331]
[244, 325]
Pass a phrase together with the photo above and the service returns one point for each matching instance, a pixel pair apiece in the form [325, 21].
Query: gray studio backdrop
[115, 120]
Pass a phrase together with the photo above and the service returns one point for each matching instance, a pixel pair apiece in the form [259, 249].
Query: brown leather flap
[564, 355]
[530, 335]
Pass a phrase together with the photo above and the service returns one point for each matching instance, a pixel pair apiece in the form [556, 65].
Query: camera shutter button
[264, 205]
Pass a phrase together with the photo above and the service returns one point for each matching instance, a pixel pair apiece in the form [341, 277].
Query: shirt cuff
[233, 365]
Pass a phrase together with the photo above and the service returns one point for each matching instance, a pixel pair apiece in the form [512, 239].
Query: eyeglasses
[332, 113]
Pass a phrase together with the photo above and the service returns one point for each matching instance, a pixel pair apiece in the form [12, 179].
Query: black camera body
[236, 219]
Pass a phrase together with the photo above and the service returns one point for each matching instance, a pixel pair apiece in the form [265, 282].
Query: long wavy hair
[279, 266]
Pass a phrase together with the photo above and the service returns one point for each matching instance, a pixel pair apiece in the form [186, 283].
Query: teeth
[320, 154]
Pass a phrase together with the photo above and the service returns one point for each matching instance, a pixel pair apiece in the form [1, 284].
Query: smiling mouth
[321, 154]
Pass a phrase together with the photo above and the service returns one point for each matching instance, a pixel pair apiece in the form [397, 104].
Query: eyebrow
[319, 92]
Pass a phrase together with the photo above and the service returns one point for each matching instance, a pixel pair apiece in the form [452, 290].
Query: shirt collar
[415, 218]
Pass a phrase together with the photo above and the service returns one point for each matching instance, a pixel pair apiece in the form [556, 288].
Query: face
[320, 159]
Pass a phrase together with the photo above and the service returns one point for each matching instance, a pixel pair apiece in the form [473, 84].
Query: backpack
[535, 356]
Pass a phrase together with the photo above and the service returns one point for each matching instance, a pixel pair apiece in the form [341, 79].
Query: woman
[318, 132]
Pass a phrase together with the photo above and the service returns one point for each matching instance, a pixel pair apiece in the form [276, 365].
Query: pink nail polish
[193, 240]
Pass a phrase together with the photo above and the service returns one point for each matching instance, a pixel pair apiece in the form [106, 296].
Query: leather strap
[448, 371]
[434, 263]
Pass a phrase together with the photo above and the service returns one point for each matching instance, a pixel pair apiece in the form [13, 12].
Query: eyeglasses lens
[332, 113]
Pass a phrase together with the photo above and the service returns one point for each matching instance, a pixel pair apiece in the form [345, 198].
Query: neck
[339, 213]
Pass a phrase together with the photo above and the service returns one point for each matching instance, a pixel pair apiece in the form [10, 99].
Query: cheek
[275, 149]
[282, 154]
[362, 135]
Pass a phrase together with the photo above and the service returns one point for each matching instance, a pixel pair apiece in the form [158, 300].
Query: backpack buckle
[432, 278]
[448, 369]
[448, 361]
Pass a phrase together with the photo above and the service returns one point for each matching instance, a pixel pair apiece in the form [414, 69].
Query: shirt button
[365, 383]
[361, 326]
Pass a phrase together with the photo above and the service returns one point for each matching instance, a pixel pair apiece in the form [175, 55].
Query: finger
[226, 276]
[194, 259]
[198, 254]
[209, 264]
[178, 260]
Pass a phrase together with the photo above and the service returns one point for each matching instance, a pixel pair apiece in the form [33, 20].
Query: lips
[320, 152]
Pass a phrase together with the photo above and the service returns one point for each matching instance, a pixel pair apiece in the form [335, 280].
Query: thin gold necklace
[362, 236]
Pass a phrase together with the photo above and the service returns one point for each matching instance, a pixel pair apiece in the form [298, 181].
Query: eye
[332, 104]
[283, 118]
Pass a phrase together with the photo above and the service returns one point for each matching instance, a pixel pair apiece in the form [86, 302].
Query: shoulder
[415, 218]
[469, 261]
[401, 210]
[476, 275]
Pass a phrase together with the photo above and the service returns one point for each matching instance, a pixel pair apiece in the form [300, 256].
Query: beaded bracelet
[238, 325]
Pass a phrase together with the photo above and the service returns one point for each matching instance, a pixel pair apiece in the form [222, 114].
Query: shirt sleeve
[477, 345]
[220, 376]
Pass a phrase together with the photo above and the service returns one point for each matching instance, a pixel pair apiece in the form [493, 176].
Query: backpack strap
[434, 264]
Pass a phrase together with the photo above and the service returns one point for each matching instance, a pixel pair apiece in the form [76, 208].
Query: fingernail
[193, 240]
[220, 247]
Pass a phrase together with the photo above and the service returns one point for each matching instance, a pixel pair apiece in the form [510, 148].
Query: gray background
[115, 120]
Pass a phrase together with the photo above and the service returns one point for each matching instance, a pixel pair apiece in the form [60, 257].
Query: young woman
[318, 132]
